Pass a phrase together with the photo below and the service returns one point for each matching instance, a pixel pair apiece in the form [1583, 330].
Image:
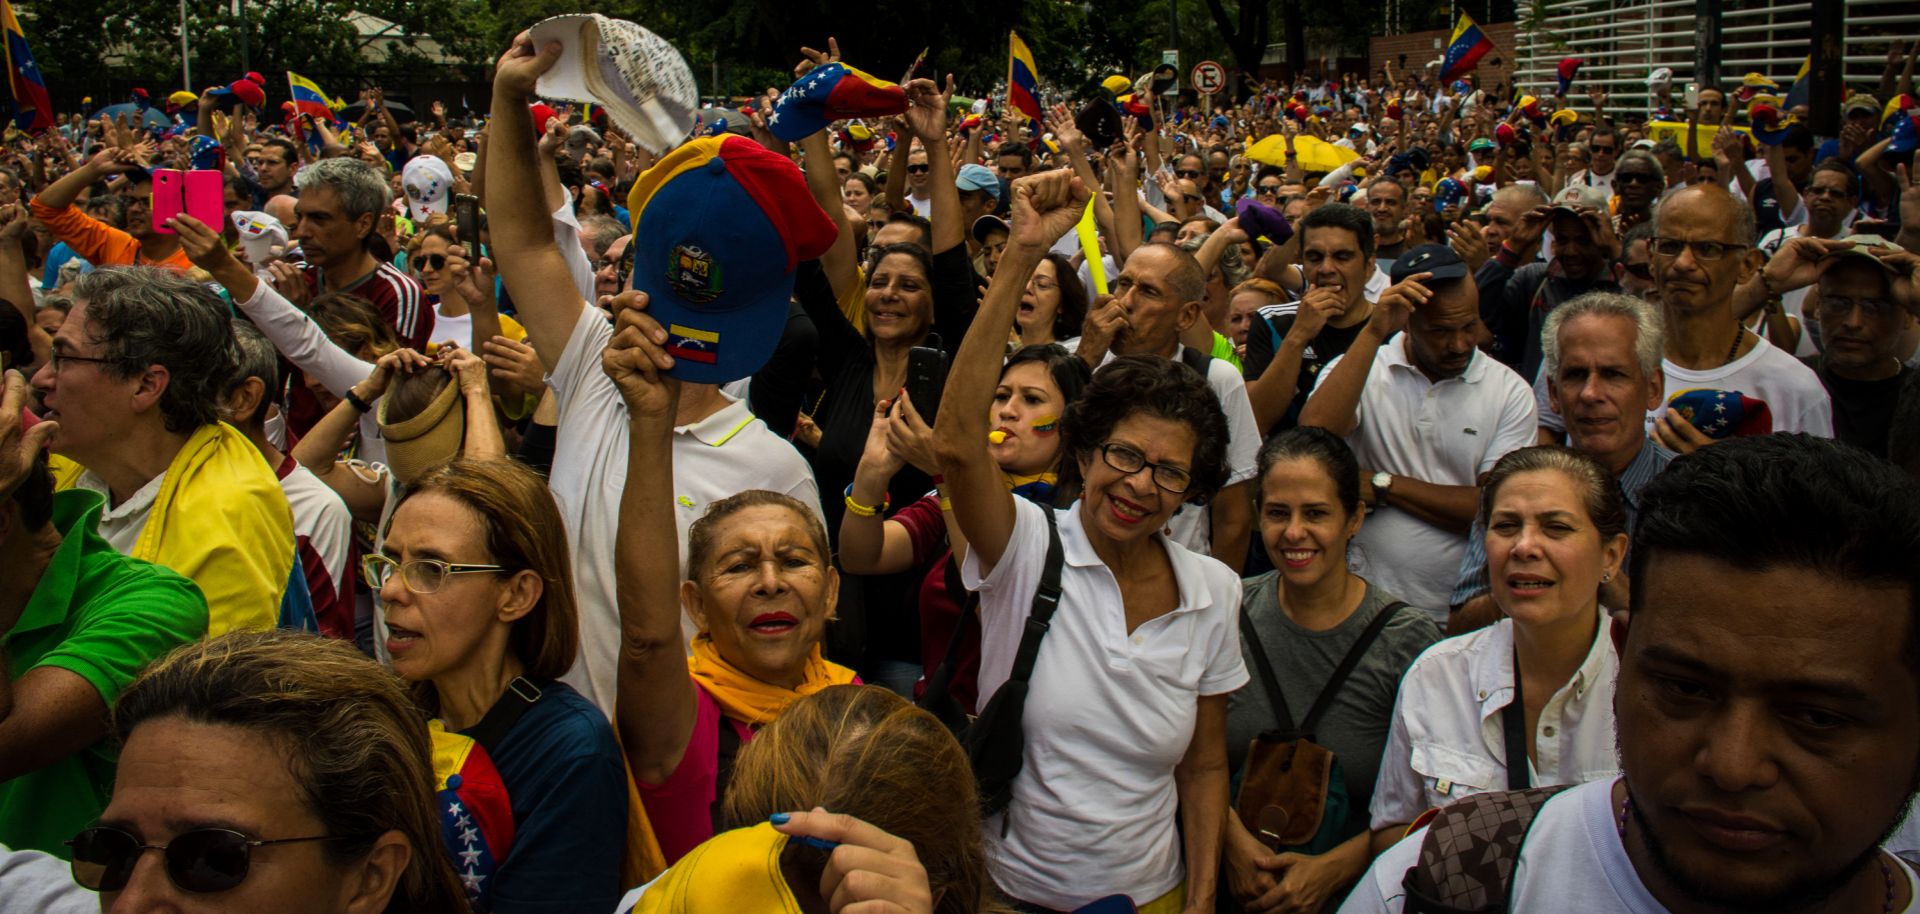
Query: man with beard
[1767, 706]
[1426, 414]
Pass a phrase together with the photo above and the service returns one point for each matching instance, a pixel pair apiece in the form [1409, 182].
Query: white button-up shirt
[1447, 741]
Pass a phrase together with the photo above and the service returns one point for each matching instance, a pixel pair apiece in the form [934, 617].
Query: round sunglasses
[201, 860]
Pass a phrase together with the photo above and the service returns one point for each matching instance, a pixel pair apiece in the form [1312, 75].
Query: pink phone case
[168, 197]
[205, 198]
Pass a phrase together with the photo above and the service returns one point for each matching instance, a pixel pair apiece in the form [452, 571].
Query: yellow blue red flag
[32, 109]
[1023, 78]
[1469, 44]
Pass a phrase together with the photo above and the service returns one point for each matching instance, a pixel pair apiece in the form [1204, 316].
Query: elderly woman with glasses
[1123, 784]
[478, 595]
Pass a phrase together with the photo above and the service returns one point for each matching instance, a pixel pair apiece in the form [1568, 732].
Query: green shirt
[102, 616]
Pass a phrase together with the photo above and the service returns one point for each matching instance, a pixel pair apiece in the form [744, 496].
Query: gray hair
[361, 189]
[1745, 230]
[1511, 193]
[1648, 338]
[145, 316]
[1645, 158]
[254, 357]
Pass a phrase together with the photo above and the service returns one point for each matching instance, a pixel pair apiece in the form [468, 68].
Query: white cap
[643, 81]
[262, 238]
[1660, 78]
[429, 185]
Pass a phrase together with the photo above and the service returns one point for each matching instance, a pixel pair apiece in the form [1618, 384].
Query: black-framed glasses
[1702, 250]
[1129, 461]
[58, 358]
[1833, 308]
[201, 860]
[422, 576]
[918, 169]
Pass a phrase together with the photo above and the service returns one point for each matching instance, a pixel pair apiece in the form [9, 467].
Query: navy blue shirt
[563, 771]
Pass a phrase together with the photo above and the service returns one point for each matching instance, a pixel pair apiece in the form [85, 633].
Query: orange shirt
[101, 244]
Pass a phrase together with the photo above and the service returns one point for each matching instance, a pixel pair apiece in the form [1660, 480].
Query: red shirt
[400, 300]
[940, 608]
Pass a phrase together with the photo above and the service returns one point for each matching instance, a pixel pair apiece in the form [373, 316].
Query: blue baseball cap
[978, 177]
[719, 225]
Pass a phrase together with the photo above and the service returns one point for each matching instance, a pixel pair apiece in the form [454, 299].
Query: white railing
[1624, 40]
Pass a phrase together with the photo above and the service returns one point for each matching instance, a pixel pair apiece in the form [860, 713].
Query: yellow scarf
[747, 699]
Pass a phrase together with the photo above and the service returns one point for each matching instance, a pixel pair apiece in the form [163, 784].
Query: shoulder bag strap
[1513, 722]
[1046, 599]
[1268, 681]
[725, 754]
[517, 700]
[1347, 663]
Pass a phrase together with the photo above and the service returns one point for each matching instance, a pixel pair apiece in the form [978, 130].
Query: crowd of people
[1367, 494]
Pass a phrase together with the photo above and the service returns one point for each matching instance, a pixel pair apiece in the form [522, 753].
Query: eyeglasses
[1269, 189]
[1597, 150]
[1702, 250]
[918, 169]
[1186, 172]
[201, 860]
[58, 357]
[422, 576]
[433, 261]
[1833, 308]
[1129, 461]
[1635, 177]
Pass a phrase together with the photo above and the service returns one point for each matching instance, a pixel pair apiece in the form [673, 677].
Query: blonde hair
[357, 743]
[865, 752]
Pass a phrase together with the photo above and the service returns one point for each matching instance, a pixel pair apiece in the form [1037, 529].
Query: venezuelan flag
[1023, 78]
[1801, 92]
[1469, 44]
[308, 97]
[32, 109]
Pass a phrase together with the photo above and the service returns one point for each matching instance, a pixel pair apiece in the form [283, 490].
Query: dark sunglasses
[1186, 172]
[918, 169]
[1269, 188]
[201, 860]
[433, 261]
[1628, 177]
[1600, 149]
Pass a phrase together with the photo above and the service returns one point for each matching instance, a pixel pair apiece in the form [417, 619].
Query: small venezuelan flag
[1469, 44]
[701, 346]
[1023, 78]
[31, 108]
[1801, 92]
[308, 98]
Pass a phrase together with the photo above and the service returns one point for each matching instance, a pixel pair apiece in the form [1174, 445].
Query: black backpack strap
[729, 749]
[1332, 689]
[1046, 599]
[1268, 681]
[1468, 857]
[517, 700]
[1196, 360]
[1513, 725]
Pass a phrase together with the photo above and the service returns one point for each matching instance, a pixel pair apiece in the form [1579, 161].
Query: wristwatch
[1382, 484]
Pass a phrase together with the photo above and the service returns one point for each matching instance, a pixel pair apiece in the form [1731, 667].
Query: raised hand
[291, 282]
[1398, 302]
[637, 360]
[515, 366]
[522, 65]
[927, 109]
[814, 58]
[17, 448]
[467, 369]
[204, 246]
[1045, 207]
[396, 362]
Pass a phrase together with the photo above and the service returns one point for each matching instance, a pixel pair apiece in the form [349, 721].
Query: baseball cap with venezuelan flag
[719, 225]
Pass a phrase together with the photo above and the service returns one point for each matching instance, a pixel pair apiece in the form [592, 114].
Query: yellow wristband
[946, 504]
[860, 510]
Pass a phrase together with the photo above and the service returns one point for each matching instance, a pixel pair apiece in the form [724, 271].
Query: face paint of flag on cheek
[1047, 425]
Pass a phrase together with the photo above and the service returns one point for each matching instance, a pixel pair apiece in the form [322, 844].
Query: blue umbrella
[135, 115]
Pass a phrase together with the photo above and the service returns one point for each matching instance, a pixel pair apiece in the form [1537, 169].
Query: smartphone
[466, 218]
[1693, 96]
[926, 376]
[196, 193]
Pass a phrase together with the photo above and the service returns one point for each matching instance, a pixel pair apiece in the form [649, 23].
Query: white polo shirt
[729, 452]
[1446, 434]
[1108, 716]
[1572, 860]
[1446, 741]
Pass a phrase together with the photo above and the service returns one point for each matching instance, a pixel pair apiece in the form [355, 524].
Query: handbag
[1292, 794]
[995, 741]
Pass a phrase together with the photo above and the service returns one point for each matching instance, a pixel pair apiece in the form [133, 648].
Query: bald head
[1713, 202]
[281, 208]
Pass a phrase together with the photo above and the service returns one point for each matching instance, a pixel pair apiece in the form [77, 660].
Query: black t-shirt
[1269, 327]
[1863, 410]
[1766, 207]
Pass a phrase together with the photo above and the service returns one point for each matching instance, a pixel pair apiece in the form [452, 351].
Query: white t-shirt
[1108, 717]
[1447, 740]
[1192, 525]
[35, 883]
[457, 328]
[1792, 392]
[1572, 861]
[1446, 434]
[728, 452]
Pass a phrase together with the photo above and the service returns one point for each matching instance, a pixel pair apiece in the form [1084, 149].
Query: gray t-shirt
[1355, 726]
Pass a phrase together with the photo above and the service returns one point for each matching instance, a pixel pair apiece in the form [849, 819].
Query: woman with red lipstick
[1527, 702]
[1035, 387]
[1306, 618]
[477, 588]
[1125, 721]
[759, 583]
